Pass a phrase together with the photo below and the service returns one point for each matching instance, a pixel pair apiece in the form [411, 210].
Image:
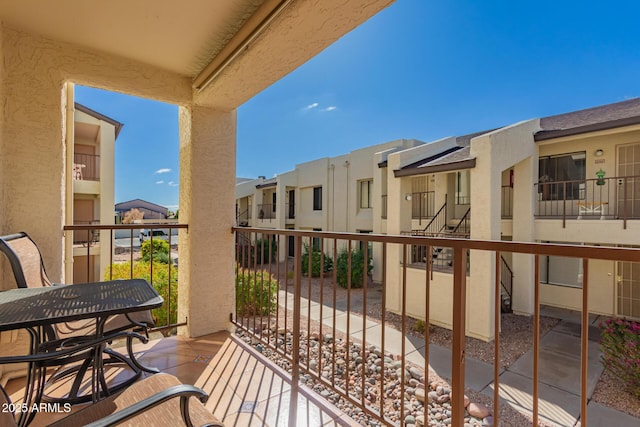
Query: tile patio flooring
[244, 389]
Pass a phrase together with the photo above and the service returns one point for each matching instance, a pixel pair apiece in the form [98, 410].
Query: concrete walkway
[559, 364]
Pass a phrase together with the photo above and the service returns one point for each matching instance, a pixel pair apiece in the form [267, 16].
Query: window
[561, 177]
[463, 184]
[317, 198]
[562, 271]
[366, 188]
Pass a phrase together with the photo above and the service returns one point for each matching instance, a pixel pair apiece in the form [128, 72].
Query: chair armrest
[184, 392]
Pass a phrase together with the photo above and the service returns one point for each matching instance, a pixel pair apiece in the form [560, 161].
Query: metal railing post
[295, 345]
[459, 320]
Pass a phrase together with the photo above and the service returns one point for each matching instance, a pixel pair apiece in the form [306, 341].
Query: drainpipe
[68, 180]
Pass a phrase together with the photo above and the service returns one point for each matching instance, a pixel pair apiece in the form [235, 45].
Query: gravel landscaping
[516, 339]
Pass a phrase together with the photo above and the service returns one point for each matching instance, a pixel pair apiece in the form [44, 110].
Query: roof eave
[445, 167]
[594, 127]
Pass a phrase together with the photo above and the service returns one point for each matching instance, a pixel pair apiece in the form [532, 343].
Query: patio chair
[29, 272]
[159, 400]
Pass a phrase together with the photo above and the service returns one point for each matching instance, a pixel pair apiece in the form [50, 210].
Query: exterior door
[292, 204]
[628, 290]
[629, 181]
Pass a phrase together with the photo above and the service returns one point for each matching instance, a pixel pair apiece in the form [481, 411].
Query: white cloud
[160, 182]
[330, 108]
[311, 106]
[172, 184]
[163, 170]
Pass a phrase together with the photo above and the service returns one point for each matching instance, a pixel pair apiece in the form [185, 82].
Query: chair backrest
[25, 259]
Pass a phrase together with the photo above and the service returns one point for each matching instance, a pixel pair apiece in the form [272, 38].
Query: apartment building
[569, 178]
[90, 160]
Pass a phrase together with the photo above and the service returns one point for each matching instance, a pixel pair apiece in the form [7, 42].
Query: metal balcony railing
[600, 198]
[266, 211]
[126, 260]
[284, 292]
[86, 167]
[243, 217]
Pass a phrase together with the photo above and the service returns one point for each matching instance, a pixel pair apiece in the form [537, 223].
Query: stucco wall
[33, 130]
[601, 291]
[207, 154]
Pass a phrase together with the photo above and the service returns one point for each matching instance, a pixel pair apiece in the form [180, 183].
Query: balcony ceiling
[180, 37]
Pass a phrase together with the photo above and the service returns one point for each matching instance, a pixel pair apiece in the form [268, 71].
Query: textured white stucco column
[525, 174]
[107, 190]
[485, 224]
[398, 220]
[207, 171]
[494, 153]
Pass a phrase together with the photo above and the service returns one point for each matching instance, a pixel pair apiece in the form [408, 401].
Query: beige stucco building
[207, 57]
[569, 178]
[91, 140]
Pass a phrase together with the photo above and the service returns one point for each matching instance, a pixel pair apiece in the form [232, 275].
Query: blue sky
[419, 69]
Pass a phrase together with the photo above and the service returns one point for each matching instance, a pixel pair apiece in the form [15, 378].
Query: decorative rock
[432, 396]
[487, 421]
[420, 395]
[478, 410]
[466, 399]
[420, 421]
[415, 373]
[409, 420]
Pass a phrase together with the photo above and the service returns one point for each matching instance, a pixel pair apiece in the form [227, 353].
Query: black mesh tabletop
[28, 307]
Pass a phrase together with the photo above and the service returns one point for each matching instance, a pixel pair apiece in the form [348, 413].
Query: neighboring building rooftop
[139, 203]
[100, 116]
[271, 182]
[603, 117]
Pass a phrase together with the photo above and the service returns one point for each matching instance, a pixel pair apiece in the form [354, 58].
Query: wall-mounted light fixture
[599, 152]
[407, 197]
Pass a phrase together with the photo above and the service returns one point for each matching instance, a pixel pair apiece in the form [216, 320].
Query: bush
[316, 262]
[160, 281]
[357, 268]
[266, 249]
[160, 251]
[255, 292]
[620, 347]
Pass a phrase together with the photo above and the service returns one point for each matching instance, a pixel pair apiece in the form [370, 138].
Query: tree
[131, 216]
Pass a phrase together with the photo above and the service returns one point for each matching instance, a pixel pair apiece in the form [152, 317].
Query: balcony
[266, 212]
[86, 167]
[314, 345]
[605, 198]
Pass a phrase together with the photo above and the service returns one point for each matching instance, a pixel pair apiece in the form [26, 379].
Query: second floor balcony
[313, 340]
[86, 167]
[601, 198]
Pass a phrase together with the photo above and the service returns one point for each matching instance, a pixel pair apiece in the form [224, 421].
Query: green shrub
[255, 292]
[160, 281]
[317, 262]
[160, 251]
[420, 326]
[266, 249]
[357, 268]
[620, 347]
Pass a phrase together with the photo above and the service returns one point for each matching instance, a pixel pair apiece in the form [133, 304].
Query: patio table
[37, 309]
